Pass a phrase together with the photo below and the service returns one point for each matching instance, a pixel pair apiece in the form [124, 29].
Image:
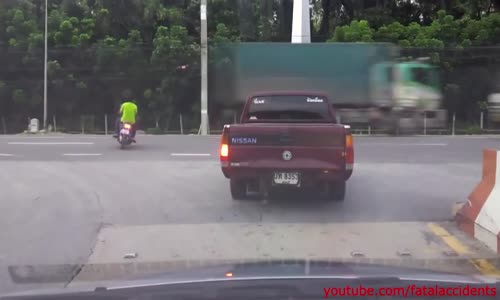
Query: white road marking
[82, 154]
[424, 144]
[50, 143]
[30, 137]
[405, 144]
[190, 154]
[6, 154]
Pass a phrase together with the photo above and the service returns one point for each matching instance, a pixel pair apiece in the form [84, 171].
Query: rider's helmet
[130, 99]
[127, 96]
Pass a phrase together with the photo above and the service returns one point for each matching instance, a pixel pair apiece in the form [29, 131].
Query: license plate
[291, 178]
[124, 131]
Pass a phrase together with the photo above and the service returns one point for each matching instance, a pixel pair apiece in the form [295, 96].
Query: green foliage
[19, 97]
[473, 129]
[444, 31]
[224, 35]
[99, 49]
[357, 31]
[482, 105]
[154, 130]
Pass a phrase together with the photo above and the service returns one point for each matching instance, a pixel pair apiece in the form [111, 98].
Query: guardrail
[105, 125]
[355, 131]
[368, 132]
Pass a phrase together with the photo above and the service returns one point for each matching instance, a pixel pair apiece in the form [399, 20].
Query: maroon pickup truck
[287, 140]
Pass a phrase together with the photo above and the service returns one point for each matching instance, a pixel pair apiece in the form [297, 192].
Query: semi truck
[366, 82]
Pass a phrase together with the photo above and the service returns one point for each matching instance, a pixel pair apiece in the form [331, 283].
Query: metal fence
[190, 124]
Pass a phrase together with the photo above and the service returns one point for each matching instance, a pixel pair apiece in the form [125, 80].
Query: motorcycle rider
[127, 114]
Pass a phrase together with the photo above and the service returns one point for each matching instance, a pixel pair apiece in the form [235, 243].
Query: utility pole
[45, 70]
[204, 72]
[301, 26]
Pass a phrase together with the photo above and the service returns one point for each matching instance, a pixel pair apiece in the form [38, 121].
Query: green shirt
[128, 111]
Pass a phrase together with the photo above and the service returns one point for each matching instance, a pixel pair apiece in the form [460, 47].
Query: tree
[99, 49]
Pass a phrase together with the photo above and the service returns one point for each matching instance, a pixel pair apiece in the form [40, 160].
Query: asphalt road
[59, 192]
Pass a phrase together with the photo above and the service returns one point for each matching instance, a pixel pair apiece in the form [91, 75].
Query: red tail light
[224, 150]
[349, 152]
[224, 144]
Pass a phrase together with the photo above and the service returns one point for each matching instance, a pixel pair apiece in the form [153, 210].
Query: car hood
[272, 269]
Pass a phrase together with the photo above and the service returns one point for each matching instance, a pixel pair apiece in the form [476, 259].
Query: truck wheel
[336, 191]
[238, 189]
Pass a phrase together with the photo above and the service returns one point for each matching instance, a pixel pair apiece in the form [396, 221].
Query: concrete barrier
[480, 215]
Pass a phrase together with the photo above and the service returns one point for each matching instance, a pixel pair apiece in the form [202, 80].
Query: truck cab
[407, 94]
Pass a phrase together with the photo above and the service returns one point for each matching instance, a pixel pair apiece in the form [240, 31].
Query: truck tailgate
[312, 145]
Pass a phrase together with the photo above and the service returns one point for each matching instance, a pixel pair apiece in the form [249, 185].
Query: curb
[479, 217]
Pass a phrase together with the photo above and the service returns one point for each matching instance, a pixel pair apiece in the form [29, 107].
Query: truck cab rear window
[278, 108]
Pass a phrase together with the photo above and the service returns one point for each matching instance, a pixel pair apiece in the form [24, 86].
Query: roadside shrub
[473, 129]
[154, 130]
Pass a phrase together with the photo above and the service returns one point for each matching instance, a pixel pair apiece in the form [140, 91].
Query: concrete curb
[479, 217]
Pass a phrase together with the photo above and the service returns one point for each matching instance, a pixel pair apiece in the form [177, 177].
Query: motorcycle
[125, 136]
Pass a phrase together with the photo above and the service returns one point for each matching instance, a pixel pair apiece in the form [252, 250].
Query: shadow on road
[304, 199]
[135, 147]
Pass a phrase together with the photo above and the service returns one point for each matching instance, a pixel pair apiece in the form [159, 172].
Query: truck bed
[307, 142]
[287, 155]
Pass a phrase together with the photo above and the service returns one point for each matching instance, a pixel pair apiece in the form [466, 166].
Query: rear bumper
[308, 176]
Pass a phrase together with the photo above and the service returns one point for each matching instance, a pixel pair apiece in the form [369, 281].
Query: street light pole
[204, 81]
[301, 26]
[45, 70]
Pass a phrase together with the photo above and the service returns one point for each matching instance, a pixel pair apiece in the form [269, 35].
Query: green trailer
[365, 81]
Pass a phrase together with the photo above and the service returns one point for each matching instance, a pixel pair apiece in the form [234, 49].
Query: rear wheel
[336, 191]
[238, 189]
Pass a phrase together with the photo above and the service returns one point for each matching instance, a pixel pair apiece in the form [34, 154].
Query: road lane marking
[50, 143]
[449, 239]
[30, 137]
[482, 265]
[425, 144]
[406, 144]
[82, 154]
[190, 154]
[6, 154]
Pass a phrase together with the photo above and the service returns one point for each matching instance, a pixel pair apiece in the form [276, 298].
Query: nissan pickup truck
[288, 140]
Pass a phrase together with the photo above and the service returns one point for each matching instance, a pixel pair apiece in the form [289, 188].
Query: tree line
[101, 51]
